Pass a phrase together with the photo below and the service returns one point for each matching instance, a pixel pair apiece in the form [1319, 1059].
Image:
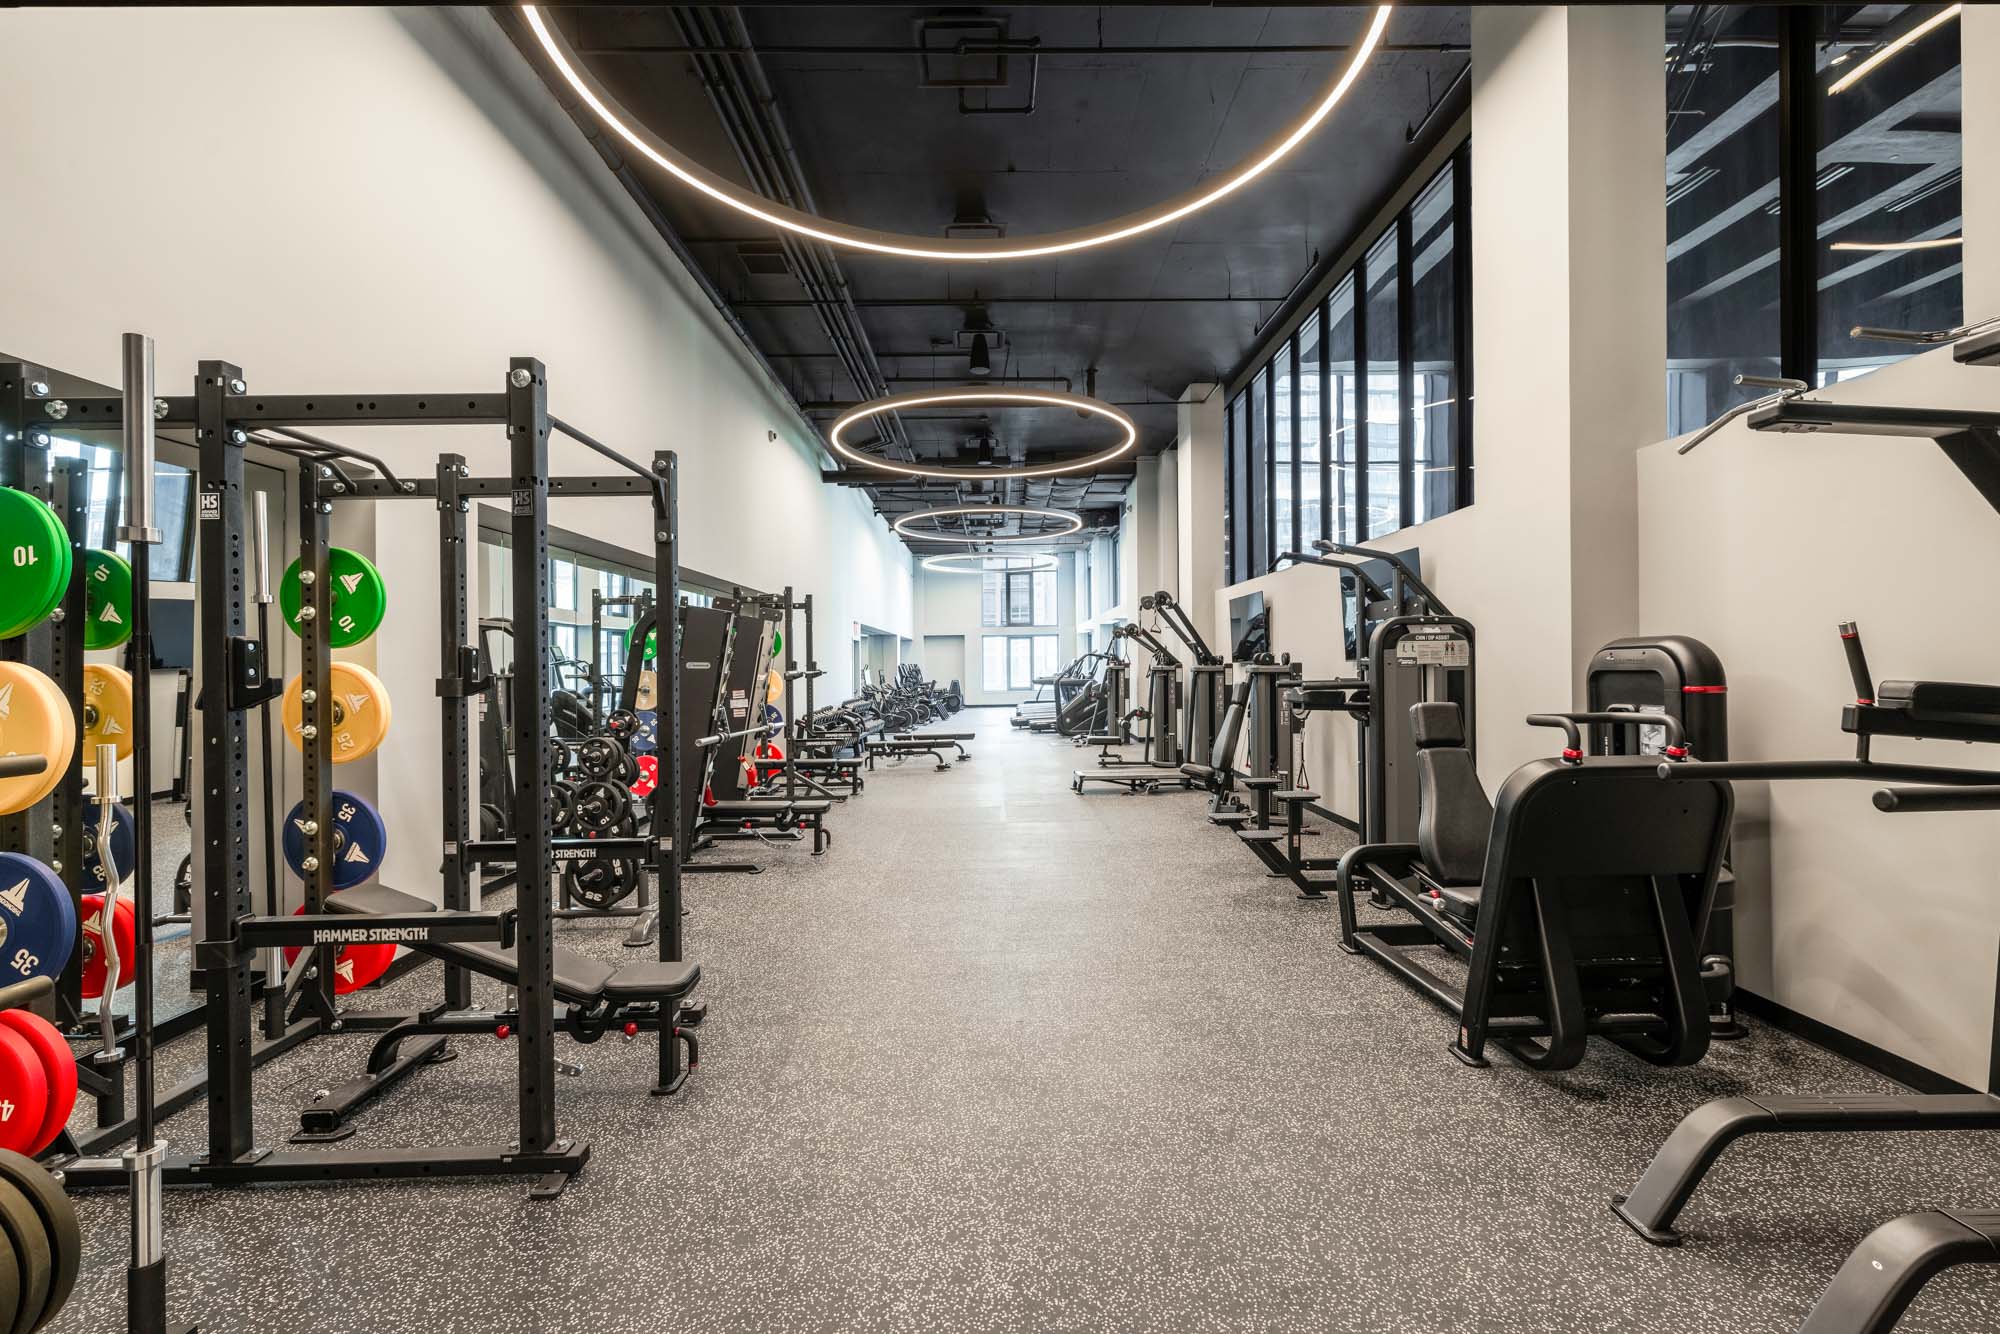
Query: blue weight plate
[360, 840]
[39, 919]
[774, 716]
[647, 738]
[123, 844]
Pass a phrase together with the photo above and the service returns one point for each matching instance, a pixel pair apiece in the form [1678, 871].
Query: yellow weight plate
[35, 719]
[774, 688]
[360, 712]
[107, 708]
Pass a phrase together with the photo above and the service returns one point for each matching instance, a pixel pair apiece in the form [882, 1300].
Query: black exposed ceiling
[825, 106]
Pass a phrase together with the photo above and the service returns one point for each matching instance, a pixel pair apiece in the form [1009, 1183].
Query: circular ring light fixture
[978, 396]
[901, 525]
[663, 155]
[952, 563]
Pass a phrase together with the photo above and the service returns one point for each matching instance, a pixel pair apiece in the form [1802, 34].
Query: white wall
[948, 605]
[1886, 927]
[347, 199]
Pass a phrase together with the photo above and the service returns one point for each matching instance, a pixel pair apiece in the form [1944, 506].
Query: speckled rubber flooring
[1009, 1058]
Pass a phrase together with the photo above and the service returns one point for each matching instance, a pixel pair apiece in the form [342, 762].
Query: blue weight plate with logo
[647, 738]
[124, 845]
[38, 918]
[360, 840]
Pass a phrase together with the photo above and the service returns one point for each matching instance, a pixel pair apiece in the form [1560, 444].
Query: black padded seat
[650, 979]
[1294, 794]
[579, 979]
[1198, 770]
[1454, 817]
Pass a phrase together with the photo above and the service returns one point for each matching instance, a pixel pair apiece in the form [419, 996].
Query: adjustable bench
[644, 995]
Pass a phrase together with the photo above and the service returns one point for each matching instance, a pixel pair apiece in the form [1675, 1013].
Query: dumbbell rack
[52, 832]
[223, 414]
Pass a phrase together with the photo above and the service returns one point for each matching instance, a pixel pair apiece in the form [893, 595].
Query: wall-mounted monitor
[1249, 627]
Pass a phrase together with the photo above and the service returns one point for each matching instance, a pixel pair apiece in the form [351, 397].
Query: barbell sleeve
[139, 442]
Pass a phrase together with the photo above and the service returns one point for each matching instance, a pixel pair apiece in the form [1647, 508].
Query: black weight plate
[10, 1288]
[602, 884]
[58, 1219]
[492, 822]
[28, 1241]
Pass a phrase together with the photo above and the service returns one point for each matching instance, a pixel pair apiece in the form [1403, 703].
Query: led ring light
[979, 397]
[1075, 523]
[948, 564]
[691, 173]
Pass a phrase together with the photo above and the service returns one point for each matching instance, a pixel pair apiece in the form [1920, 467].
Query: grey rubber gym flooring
[1008, 1058]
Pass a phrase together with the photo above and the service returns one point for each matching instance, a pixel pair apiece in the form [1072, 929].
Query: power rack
[224, 415]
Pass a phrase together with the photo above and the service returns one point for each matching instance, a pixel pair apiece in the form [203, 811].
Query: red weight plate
[57, 1063]
[355, 966]
[124, 931]
[649, 776]
[24, 1092]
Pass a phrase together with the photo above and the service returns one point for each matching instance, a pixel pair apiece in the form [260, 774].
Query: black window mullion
[1324, 445]
[1270, 467]
[1292, 353]
[1406, 401]
[1359, 531]
[1798, 170]
[1461, 254]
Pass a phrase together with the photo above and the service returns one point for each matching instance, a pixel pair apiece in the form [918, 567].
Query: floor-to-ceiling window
[1355, 419]
[1852, 109]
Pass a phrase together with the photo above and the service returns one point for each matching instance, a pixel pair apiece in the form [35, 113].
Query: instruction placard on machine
[1441, 646]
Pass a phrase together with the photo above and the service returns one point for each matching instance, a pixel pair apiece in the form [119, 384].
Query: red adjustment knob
[1571, 755]
[631, 1030]
[746, 824]
[802, 825]
[1677, 752]
[502, 1032]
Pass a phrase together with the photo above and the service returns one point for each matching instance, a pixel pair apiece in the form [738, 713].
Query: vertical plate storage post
[225, 777]
[528, 453]
[316, 711]
[70, 494]
[459, 664]
[665, 821]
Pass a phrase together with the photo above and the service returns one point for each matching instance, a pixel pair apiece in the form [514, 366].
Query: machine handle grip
[1857, 663]
[1901, 800]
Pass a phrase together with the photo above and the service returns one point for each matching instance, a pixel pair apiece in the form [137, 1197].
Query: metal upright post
[70, 493]
[791, 739]
[274, 970]
[225, 778]
[666, 798]
[316, 719]
[528, 447]
[457, 661]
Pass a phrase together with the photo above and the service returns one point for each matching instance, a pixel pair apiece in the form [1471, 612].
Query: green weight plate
[34, 562]
[59, 1230]
[27, 1238]
[652, 645]
[777, 643]
[107, 599]
[359, 597]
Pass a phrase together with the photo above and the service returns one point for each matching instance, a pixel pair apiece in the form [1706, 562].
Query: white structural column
[1980, 60]
[1198, 491]
[1569, 349]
